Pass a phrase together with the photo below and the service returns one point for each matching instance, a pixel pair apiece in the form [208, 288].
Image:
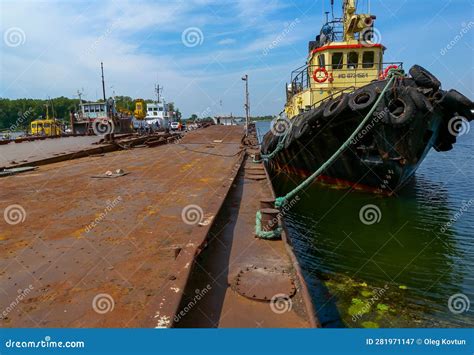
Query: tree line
[16, 114]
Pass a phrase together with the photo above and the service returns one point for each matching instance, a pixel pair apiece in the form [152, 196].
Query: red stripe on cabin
[344, 46]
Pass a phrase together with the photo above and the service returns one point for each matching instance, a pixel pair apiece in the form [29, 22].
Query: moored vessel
[338, 86]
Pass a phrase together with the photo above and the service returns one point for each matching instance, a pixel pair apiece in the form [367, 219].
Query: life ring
[387, 69]
[320, 70]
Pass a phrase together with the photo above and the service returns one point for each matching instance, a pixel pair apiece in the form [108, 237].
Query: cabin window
[86, 108]
[337, 60]
[368, 59]
[321, 62]
[47, 125]
[33, 125]
[352, 60]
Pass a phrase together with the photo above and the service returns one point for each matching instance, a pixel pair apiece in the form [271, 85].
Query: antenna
[52, 107]
[158, 88]
[103, 82]
[79, 93]
[332, 9]
[327, 16]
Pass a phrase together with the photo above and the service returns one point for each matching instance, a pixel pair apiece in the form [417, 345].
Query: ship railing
[338, 76]
[334, 94]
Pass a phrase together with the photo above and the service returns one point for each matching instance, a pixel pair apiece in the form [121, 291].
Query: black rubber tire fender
[316, 113]
[295, 122]
[398, 107]
[424, 78]
[456, 102]
[421, 101]
[336, 106]
[303, 126]
[363, 98]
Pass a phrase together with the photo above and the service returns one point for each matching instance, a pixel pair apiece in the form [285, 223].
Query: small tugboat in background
[329, 97]
[100, 118]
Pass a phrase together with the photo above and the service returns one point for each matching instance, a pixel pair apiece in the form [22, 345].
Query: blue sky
[55, 48]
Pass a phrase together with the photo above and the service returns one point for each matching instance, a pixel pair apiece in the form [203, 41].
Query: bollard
[267, 202]
[269, 219]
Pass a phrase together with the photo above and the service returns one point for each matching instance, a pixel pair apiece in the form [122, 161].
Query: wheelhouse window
[368, 59]
[86, 108]
[352, 60]
[337, 60]
[321, 62]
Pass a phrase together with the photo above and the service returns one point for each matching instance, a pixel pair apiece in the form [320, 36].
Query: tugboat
[333, 92]
[101, 117]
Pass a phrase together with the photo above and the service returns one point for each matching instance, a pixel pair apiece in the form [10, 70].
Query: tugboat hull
[407, 123]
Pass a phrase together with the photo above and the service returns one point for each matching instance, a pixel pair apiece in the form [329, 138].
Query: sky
[198, 50]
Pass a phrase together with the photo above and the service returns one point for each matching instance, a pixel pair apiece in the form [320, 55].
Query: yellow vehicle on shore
[46, 127]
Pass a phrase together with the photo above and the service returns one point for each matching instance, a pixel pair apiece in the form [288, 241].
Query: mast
[354, 23]
[103, 82]
[158, 88]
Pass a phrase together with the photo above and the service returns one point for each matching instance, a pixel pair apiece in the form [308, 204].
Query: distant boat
[98, 118]
[228, 120]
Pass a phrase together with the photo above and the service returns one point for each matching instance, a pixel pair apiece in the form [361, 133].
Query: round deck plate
[260, 283]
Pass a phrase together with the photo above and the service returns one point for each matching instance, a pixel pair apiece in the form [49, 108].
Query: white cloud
[226, 41]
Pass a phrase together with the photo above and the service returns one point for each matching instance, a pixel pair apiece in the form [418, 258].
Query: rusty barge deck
[135, 250]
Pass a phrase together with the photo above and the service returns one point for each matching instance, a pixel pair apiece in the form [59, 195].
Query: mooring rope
[278, 148]
[280, 201]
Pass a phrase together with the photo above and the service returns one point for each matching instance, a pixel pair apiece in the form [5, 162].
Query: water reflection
[401, 271]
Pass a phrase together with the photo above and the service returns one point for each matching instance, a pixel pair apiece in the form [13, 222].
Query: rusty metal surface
[264, 283]
[231, 248]
[40, 149]
[110, 252]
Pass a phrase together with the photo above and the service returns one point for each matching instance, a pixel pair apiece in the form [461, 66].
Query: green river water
[409, 263]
